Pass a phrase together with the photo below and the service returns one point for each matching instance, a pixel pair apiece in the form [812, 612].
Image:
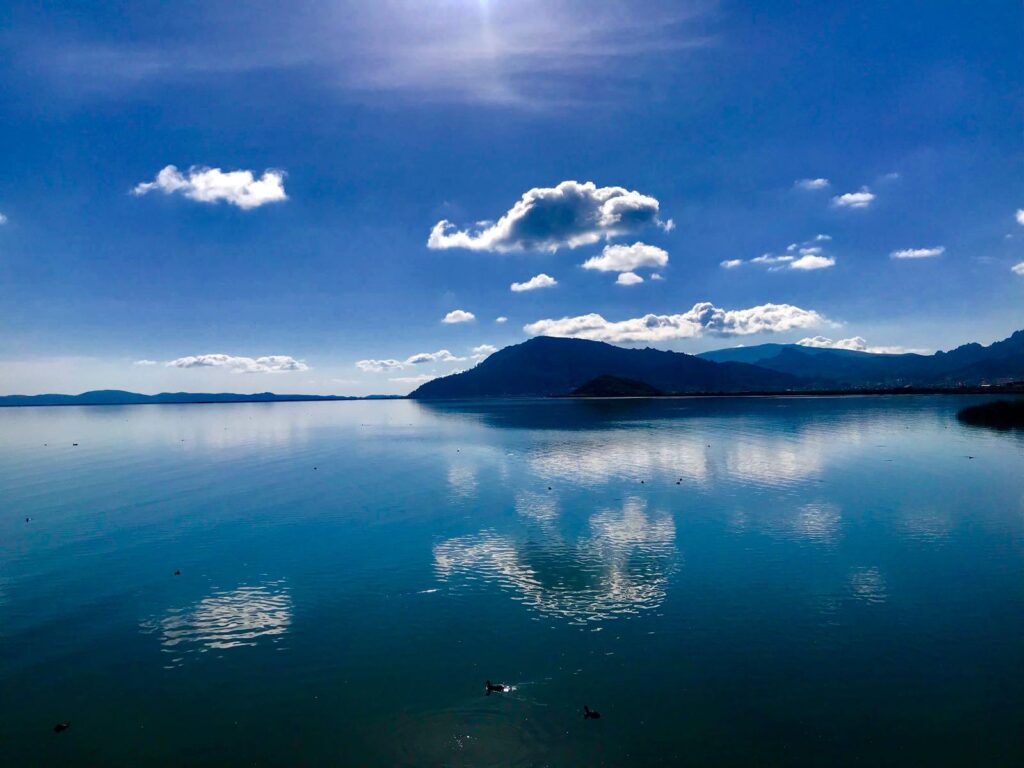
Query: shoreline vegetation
[603, 388]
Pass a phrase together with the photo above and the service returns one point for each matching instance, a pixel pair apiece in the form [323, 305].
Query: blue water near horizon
[729, 581]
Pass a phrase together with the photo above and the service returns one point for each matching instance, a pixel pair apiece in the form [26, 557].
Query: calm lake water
[824, 581]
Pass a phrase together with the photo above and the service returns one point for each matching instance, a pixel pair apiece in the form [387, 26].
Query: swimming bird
[590, 714]
[61, 727]
[490, 688]
[177, 573]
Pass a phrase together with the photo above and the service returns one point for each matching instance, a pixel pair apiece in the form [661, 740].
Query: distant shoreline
[177, 398]
[992, 390]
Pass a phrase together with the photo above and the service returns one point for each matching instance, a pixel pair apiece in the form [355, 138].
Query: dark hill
[547, 366]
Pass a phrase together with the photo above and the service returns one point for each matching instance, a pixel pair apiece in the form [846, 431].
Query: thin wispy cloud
[811, 184]
[535, 282]
[236, 364]
[918, 253]
[212, 185]
[803, 257]
[373, 365]
[852, 344]
[704, 318]
[568, 215]
[526, 54]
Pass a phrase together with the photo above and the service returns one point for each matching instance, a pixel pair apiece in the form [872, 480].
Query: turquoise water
[729, 582]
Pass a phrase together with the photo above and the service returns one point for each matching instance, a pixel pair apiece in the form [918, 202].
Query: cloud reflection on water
[618, 568]
[225, 620]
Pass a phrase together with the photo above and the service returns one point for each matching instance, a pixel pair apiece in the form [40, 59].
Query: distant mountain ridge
[546, 366]
[969, 364]
[120, 397]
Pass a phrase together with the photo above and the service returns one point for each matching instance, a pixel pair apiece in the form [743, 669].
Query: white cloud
[501, 319]
[267, 364]
[484, 350]
[391, 364]
[821, 238]
[812, 261]
[918, 253]
[145, 362]
[212, 185]
[414, 379]
[627, 258]
[458, 316]
[656, 277]
[1020, 216]
[767, 258]
[1018, 269]
[854, 343]
[378, 366]
[535, 282]
[549, 218]
[811, 183]
[703, 318]
[731, 263]
[3, 219]
[441, 356]
[861, 199]
[628, 278]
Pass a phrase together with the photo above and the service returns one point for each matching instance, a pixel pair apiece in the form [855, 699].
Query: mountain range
[546, 366]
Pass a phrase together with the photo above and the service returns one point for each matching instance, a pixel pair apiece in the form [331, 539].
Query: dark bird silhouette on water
[590, 714]
[61, 727]
[490, 688]
[177, 573]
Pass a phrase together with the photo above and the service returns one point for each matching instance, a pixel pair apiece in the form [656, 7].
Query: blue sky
[644, 138]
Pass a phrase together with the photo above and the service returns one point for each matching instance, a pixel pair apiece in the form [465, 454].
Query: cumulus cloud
[548, 218]
[1018, 268]
[918, 253]
[854, 343]
[1020, 216]
[3, 219]
[628, 278]
[535, 282]
[657, 277]
[484, 350]
[458, 316]
[627, 258]
[501, 319]
[861, 199]
[703, 318]
[812, 261]
[731, 263]
[821, 238]
[267, 364]
[212, 185]
[811, 183]
[145, 362]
